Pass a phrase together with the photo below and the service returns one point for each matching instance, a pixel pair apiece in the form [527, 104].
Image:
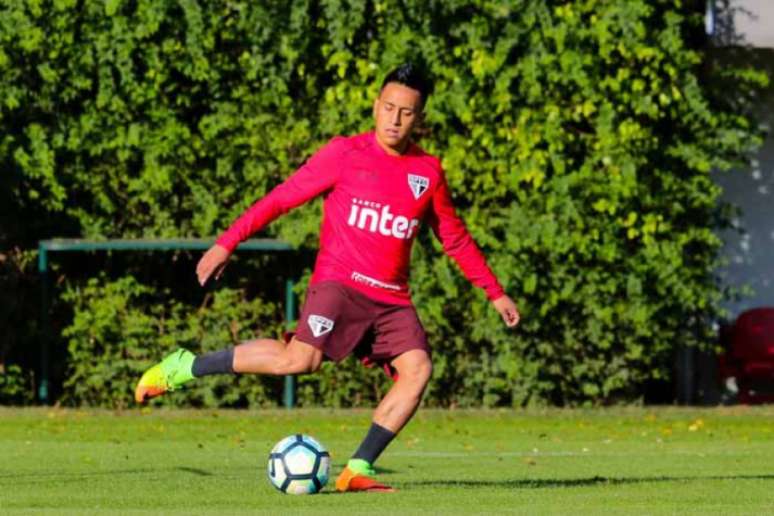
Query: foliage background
[577, 137]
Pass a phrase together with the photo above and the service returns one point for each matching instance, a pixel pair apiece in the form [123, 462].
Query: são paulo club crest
[320, 325]
[418, 185]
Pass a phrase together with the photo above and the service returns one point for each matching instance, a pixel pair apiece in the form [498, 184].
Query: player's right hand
[212, 263]
[508, 310]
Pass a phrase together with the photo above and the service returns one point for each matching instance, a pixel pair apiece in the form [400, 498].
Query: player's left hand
[508, 310]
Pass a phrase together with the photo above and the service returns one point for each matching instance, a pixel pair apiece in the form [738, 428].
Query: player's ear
[376, 105]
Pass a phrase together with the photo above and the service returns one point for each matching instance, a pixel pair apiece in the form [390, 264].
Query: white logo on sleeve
[418, 185]
[320, 325]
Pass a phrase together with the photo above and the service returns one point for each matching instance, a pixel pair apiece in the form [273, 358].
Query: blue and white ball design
[299, 464]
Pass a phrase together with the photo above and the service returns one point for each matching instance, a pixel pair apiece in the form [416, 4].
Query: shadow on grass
[66, 476]
[518, 483]
[61, 476]
[195, 471]
[578, 482]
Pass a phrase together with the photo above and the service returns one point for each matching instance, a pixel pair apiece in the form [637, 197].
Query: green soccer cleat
[168, 375]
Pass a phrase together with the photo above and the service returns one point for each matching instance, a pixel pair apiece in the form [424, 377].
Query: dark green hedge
[578, 139]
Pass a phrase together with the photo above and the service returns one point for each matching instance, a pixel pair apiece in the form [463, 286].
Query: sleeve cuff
[495, 292]
[229, 244]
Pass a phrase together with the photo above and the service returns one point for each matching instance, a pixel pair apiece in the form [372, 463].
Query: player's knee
[302, 364]
[426, 371]
[311, 364]
[418, 371]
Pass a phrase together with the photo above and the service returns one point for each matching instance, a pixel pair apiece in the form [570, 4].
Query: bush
[577, 137]
[120, 328]
[19, 307]
[15, 385]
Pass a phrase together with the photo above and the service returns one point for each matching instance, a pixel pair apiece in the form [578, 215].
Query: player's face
[396, 112]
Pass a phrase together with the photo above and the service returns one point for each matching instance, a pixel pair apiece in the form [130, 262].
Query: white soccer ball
[299, 464]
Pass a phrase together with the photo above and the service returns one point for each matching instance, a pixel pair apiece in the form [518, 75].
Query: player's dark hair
[411, 75]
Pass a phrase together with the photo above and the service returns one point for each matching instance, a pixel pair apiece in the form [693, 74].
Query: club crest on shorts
[418, 185]
[320, 325]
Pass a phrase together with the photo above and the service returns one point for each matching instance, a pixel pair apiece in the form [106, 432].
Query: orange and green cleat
[168, 375]
[350, 481]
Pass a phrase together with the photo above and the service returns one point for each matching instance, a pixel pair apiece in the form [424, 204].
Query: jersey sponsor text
[373, 282]
[376, 217]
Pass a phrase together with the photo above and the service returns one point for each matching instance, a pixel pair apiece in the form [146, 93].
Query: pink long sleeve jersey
[374, 205]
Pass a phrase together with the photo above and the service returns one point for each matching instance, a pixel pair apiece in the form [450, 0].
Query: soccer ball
[299, 464]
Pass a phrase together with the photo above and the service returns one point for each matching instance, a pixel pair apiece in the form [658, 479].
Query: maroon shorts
[339, 321]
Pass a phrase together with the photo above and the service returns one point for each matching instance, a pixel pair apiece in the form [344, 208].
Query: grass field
[615, 461]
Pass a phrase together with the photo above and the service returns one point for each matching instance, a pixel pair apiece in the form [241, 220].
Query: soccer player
[379, 188]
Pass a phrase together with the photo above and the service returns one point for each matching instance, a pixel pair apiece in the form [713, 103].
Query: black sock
[218, 362]
[374, 443]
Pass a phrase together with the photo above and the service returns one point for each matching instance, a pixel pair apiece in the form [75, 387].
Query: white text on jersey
[364, 215]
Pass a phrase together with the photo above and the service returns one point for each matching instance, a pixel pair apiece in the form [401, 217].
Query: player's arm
[316, 176]
[460, 246]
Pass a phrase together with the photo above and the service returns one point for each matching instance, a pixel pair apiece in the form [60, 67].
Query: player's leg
[414, 370]
[400, 341]
[260, 356]
[326, 323]
[274, 357]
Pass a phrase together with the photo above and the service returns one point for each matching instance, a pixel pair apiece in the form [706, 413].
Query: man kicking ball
[379, 188]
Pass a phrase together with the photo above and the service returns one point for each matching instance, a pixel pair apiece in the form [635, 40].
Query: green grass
[616, 461]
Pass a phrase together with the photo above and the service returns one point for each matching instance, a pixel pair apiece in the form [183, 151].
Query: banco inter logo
[377, 217]
[319, 325]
